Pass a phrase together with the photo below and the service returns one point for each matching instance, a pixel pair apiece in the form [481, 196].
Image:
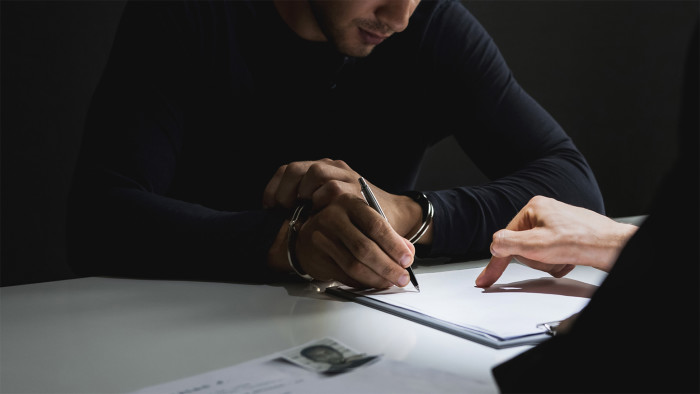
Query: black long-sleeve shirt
[201, 102]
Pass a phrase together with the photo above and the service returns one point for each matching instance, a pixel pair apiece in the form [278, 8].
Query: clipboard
[446, 326]
[523, 308]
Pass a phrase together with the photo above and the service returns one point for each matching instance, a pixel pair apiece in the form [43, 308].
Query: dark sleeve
[641, 330]
[121, 218]
[511, 138]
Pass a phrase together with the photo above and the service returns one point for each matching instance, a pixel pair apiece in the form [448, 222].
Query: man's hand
[344, 239]
[319, 181]
[350, 242]
[552, 236]
[322, 181]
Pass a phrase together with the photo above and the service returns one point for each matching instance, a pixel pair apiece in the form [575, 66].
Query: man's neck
[298, 16]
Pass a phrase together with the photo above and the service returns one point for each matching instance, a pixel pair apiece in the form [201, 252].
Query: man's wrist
[422, 232]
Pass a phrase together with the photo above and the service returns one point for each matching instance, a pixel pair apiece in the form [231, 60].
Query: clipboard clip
[550, 327]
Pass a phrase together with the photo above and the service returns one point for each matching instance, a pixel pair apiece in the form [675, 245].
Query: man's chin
[358, 51]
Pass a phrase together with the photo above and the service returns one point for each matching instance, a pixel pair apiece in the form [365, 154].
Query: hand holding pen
[336, 237]
[372, 202]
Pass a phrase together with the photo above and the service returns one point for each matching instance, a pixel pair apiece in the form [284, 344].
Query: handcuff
[295, 223]
[428, 212]
[301, 213]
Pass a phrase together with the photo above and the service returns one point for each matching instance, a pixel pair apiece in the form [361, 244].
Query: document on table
[509, 313]
[281, 373]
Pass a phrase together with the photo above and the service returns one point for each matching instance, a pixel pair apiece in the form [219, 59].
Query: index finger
[374, 243]
[378, 229]
[493, 270]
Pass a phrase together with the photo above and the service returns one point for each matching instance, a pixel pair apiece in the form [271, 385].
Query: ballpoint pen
[372, 202]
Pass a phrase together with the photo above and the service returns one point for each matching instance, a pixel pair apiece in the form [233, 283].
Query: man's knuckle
[335, 187]
[376, 227]
[315, 170]
[340, 164]
[295, 168]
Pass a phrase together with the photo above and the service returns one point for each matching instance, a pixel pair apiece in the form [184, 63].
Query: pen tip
[418, 288]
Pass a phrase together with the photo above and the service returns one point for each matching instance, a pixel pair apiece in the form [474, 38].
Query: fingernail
[403, 280]
[406, 260]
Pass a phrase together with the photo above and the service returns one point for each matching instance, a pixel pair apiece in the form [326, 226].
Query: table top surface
[110, 335]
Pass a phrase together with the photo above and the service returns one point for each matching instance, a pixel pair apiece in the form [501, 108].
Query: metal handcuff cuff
[427, 207]
[294, 225]
[300, 215]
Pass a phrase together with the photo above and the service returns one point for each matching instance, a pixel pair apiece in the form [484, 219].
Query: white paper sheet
[274, 375]
[514, 306]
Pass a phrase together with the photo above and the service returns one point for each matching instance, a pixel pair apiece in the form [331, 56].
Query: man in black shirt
[208, 110]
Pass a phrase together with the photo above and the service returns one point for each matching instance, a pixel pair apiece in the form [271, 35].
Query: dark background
[609, 71]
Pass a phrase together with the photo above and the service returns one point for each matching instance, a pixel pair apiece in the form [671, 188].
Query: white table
[104, 335]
